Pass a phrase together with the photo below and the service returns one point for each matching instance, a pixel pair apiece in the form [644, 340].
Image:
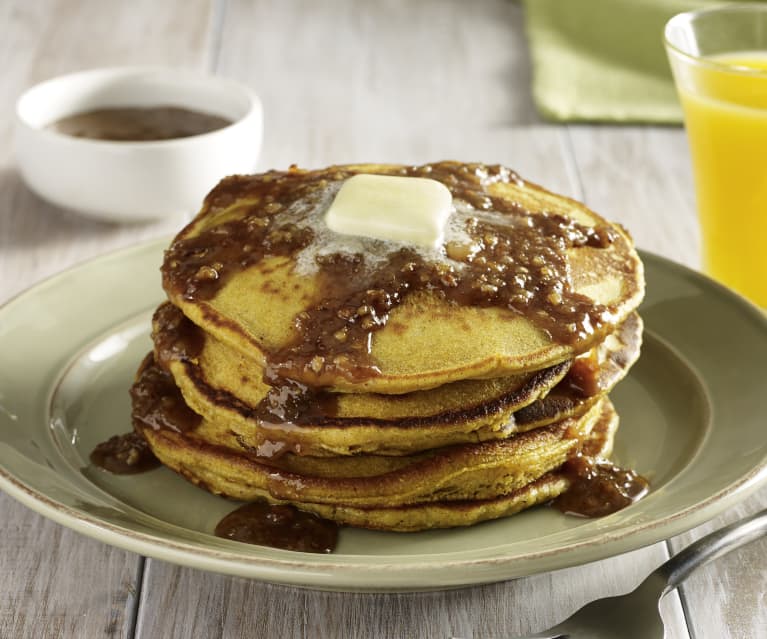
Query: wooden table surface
[383, 80]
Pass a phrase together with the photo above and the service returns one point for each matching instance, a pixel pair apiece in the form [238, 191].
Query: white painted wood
[56, 583]
[190, 603]
[336, 75]
[728, 599]
[641, 176]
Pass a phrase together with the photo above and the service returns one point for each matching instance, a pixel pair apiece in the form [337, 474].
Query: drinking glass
[719, 60]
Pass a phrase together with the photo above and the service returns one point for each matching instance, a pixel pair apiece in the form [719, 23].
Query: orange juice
[726, 120]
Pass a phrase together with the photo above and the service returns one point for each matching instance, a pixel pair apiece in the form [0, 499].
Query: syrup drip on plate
[279, 526]
[598, 487]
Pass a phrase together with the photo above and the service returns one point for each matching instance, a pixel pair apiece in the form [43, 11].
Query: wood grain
[338, 74]
[728, 599]
[193, 603]
[57, 583]
[640, 176]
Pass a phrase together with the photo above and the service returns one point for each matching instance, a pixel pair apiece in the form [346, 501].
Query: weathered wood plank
[57, 583]
[79, 34]
[338, 74]
[728, 599]
[640, 176]
[190, 603]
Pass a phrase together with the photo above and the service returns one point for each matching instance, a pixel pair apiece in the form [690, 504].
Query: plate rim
[322, 571]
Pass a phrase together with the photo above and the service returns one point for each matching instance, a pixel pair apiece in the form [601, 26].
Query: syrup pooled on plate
[126, 454]
[599, 487]
[283, 527]
[157, 399]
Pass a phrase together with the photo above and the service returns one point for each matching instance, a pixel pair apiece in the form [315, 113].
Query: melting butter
[404, 209]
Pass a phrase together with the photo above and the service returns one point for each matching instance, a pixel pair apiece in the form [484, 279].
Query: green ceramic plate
[692, 414]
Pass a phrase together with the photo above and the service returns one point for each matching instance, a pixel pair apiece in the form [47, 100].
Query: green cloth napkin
[603, 60]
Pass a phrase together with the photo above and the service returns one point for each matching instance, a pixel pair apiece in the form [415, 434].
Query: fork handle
[711, 547]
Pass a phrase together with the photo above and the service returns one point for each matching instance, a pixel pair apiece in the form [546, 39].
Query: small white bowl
[133, 181]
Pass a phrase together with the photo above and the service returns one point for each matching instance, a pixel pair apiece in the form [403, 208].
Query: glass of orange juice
[719, 60]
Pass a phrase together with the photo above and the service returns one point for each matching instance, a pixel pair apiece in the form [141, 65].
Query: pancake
[525, 280]
[457, 472]
[450, 514]
[590, 377]
[468, 471]
[215, 384]
[219, 386]
[450, 487]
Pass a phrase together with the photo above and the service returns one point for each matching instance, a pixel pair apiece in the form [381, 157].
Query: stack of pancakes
[382, 385]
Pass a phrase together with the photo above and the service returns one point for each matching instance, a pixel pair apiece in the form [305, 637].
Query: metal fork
[635, 615]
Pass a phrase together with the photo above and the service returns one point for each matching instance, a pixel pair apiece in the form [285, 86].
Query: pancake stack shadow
[379, 385]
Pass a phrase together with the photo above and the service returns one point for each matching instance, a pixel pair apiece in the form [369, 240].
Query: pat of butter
[406, 209]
